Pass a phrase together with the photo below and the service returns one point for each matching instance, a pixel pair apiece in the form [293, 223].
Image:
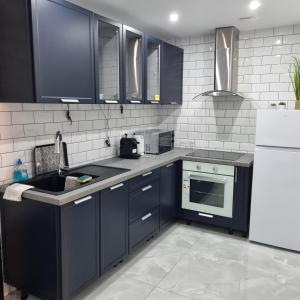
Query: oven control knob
[215, 169]
[198, 167]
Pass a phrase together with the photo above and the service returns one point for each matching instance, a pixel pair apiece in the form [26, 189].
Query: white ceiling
[195, 16]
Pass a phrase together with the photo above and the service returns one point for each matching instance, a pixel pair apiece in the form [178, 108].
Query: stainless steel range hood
[226, 63]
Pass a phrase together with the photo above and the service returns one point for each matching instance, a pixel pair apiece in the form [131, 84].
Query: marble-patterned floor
[194, 262]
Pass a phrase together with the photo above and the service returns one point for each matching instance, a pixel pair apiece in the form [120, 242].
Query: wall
[24, 126]
[227, 123]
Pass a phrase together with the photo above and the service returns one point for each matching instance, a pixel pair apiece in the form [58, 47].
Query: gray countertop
[137, 167]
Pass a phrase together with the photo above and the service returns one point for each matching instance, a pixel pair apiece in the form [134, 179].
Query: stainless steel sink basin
[54, 183]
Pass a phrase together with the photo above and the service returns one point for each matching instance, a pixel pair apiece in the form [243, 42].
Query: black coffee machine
[128, 147]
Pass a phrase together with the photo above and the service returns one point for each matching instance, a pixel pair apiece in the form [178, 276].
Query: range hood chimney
[226, 63]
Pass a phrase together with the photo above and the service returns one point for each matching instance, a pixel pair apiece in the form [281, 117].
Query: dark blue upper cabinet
[152, 70]
[63, 52]
[133, 55]
[171, 74]
[108, 60]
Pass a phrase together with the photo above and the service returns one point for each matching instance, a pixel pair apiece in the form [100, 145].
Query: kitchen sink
[54, 183]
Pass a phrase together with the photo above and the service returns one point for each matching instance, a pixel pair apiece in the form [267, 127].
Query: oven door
[209, 194]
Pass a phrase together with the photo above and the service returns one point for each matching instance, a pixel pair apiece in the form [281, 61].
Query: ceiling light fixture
[173, 17]
[255, 4]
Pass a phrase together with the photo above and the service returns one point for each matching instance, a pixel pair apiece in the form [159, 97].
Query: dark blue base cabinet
[53, 252]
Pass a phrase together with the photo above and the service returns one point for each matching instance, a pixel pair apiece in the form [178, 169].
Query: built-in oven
[208, 188]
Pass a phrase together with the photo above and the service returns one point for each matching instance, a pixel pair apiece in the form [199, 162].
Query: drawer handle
[146, 174]
[135, 101]
[147, 216]
[205, 215]
[111, 101]
[146, 188]
[116, 186]
[173, 102]
[169, 165]
[154, 102]
[82, 200]
[65, 100]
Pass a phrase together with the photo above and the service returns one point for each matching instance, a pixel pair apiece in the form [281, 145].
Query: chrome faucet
[58, 149]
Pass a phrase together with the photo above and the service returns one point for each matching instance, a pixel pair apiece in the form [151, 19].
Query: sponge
[84, 179]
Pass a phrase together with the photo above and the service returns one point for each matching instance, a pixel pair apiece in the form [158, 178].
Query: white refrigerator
[275, 205]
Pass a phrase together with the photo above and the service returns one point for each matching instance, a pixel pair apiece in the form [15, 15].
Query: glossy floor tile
[195, 262]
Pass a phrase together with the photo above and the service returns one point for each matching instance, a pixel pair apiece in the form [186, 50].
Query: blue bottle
[20, 172]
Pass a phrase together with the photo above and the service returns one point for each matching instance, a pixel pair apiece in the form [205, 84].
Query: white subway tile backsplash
[6, 146]
[291, 39]
[261, 69]
[22, 117]
[24, 144]
[43, 116]
[283, 49]
[284, 30]
[271, 60]
[273, 40]
[5, 118]
[34, 129]
[261, 51]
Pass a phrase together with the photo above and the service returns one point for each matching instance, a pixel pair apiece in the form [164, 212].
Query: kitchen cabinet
[169, 183]
[50, 251]
[143, 208]
[242, 199]
[53, 51]
[47, 52]
[143, 229]
[152, 70]
[63, 52]
[79, 244]
[171, 74]
[133, 56]
[113, 225]
[108, 60]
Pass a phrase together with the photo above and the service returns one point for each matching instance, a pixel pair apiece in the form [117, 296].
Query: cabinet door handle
[147, 216]
[110, 101]
[169, 165]
[68, 100]
[82, 200]
[116, 186]
[135, 101]
[205, 215]
[235, 174]
[146, 174]
[146, 188]
[173, 102]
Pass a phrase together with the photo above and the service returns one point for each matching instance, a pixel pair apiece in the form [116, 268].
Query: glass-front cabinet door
[153, 48]
[108, 59]
[133, 64]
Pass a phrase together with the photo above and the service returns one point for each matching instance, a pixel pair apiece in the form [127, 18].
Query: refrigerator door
[275, 207]
[278, 128]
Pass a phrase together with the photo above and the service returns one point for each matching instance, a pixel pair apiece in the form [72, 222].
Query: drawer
[143, 200]
[143, 228]
[142, 180]
[208, 168]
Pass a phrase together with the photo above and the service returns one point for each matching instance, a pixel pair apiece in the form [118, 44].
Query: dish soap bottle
[20, 172]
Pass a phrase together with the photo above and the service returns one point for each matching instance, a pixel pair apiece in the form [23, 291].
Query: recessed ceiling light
[173, 17]
[254, 4]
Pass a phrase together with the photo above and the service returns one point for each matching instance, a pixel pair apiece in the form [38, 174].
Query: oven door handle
[208, 178]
